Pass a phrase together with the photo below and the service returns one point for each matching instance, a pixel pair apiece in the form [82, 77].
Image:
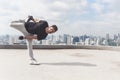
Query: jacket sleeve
[40, 37]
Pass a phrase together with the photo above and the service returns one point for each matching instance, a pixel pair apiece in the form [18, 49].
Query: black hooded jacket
[37, 28]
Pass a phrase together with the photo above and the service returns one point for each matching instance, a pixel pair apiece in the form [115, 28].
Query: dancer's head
[51, 29]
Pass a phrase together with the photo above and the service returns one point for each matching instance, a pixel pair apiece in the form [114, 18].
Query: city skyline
[74, 17]
[66, 40]
[104, 35]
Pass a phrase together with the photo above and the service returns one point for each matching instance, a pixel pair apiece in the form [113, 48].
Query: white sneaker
[34, 62]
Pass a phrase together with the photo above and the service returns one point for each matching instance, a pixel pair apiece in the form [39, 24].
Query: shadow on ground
[70, 64]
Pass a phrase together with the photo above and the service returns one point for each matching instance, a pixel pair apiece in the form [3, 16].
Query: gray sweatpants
[19, 25]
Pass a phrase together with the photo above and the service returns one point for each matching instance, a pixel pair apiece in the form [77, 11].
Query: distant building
[75, 39]
[45, 42]
[69, 40]
[107, 39]
[87, 41]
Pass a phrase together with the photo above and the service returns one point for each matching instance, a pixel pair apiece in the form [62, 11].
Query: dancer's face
[50, 30]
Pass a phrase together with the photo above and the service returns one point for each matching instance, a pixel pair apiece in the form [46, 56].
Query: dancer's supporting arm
[28, 37]
[31, 37]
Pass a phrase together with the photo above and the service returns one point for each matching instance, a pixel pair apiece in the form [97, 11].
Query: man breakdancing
[33, 29]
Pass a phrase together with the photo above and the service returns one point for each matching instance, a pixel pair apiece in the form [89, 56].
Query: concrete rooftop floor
[60, 64]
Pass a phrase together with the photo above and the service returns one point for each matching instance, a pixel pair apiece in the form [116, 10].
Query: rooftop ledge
[117, 48]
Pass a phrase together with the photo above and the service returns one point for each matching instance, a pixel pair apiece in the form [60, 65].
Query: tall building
[54, 39]
[99, 41]
[75, 39]
[69, 40]
[107, 39]
[87, 41]
[11, 40]
[45, 42]
[115, 37]
[65, 38]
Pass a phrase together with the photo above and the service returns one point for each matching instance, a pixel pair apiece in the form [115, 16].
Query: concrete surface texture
[60, 64]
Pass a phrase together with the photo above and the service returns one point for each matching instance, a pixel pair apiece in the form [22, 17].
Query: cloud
[97, 7]
[61, 5]
[111, 17]
[72, 16]
[92, 28]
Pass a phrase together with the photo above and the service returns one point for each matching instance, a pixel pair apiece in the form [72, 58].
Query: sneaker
[34, 62]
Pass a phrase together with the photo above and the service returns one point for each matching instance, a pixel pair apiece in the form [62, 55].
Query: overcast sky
[75, 17]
